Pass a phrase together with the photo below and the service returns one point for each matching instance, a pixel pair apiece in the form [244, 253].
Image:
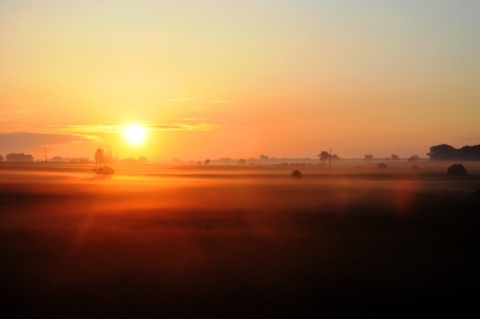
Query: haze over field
[238, 242]
[210, 79]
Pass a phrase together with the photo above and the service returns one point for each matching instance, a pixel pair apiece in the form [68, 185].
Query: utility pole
[45, 154]
[330, 160]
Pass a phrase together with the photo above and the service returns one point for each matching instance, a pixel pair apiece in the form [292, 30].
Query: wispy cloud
[198, 127]
[194, 119]
[25, 140]
[90, 129]
[180, 99]
[93, 131]
[221, 101]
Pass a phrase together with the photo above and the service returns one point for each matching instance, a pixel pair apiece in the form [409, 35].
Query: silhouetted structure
[19, 157]
[100, 167]
[447, 152]
[457, 170]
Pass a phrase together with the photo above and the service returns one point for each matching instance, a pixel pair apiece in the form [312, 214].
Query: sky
[225, 78]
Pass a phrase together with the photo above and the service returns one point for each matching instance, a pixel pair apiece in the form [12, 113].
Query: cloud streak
[199, 127]
[24, 140]
[186, 124]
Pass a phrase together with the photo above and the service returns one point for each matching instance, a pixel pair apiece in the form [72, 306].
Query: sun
[134, 134]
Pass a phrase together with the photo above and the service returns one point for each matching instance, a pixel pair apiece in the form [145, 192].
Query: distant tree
[296, 174]
[199, 163]
[324, 156]
[226, 160]
[242, 161]
[447, 152]
[207, 161]
[394, 157]
[79, 160]
[442, 151]
[335, 157]
[264, 157]
[19, 157]
[457, 170]
[368, 157]
[382, 165]
[1, 158]
[59, 159]
[142, 160]
[413, 158]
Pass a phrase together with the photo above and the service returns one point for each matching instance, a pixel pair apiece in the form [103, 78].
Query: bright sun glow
[135, 134]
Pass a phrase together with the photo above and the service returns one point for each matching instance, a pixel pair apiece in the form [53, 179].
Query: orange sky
[211, 79]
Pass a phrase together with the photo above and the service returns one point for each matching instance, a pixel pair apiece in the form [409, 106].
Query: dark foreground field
[244, 244]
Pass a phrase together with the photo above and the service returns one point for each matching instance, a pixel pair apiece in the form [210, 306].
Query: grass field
[238, 242]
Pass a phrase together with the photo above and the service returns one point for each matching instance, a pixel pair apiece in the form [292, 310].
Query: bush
[296, 174]
[457, 170]
[382, 165]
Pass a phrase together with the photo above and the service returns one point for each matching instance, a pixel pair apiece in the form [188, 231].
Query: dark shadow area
[286, 248]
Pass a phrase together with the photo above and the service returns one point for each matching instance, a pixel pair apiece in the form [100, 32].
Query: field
[238, 242]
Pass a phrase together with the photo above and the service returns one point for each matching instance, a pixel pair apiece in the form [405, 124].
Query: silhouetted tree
[394, 157]
[142, 160]
[59, 159]
[296, 174]
[447, 152]
[382, 165]
[1, 158]
[19, 157]
[79, 160]
[264, 157]
[242, 161]
[335, 157]
[413, 158]
[226, 160]
[324, 156]
[207, 161]
[368, 157]
[457, 170]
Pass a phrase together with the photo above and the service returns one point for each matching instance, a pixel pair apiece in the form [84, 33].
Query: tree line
[17, 157]
[448, 152]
